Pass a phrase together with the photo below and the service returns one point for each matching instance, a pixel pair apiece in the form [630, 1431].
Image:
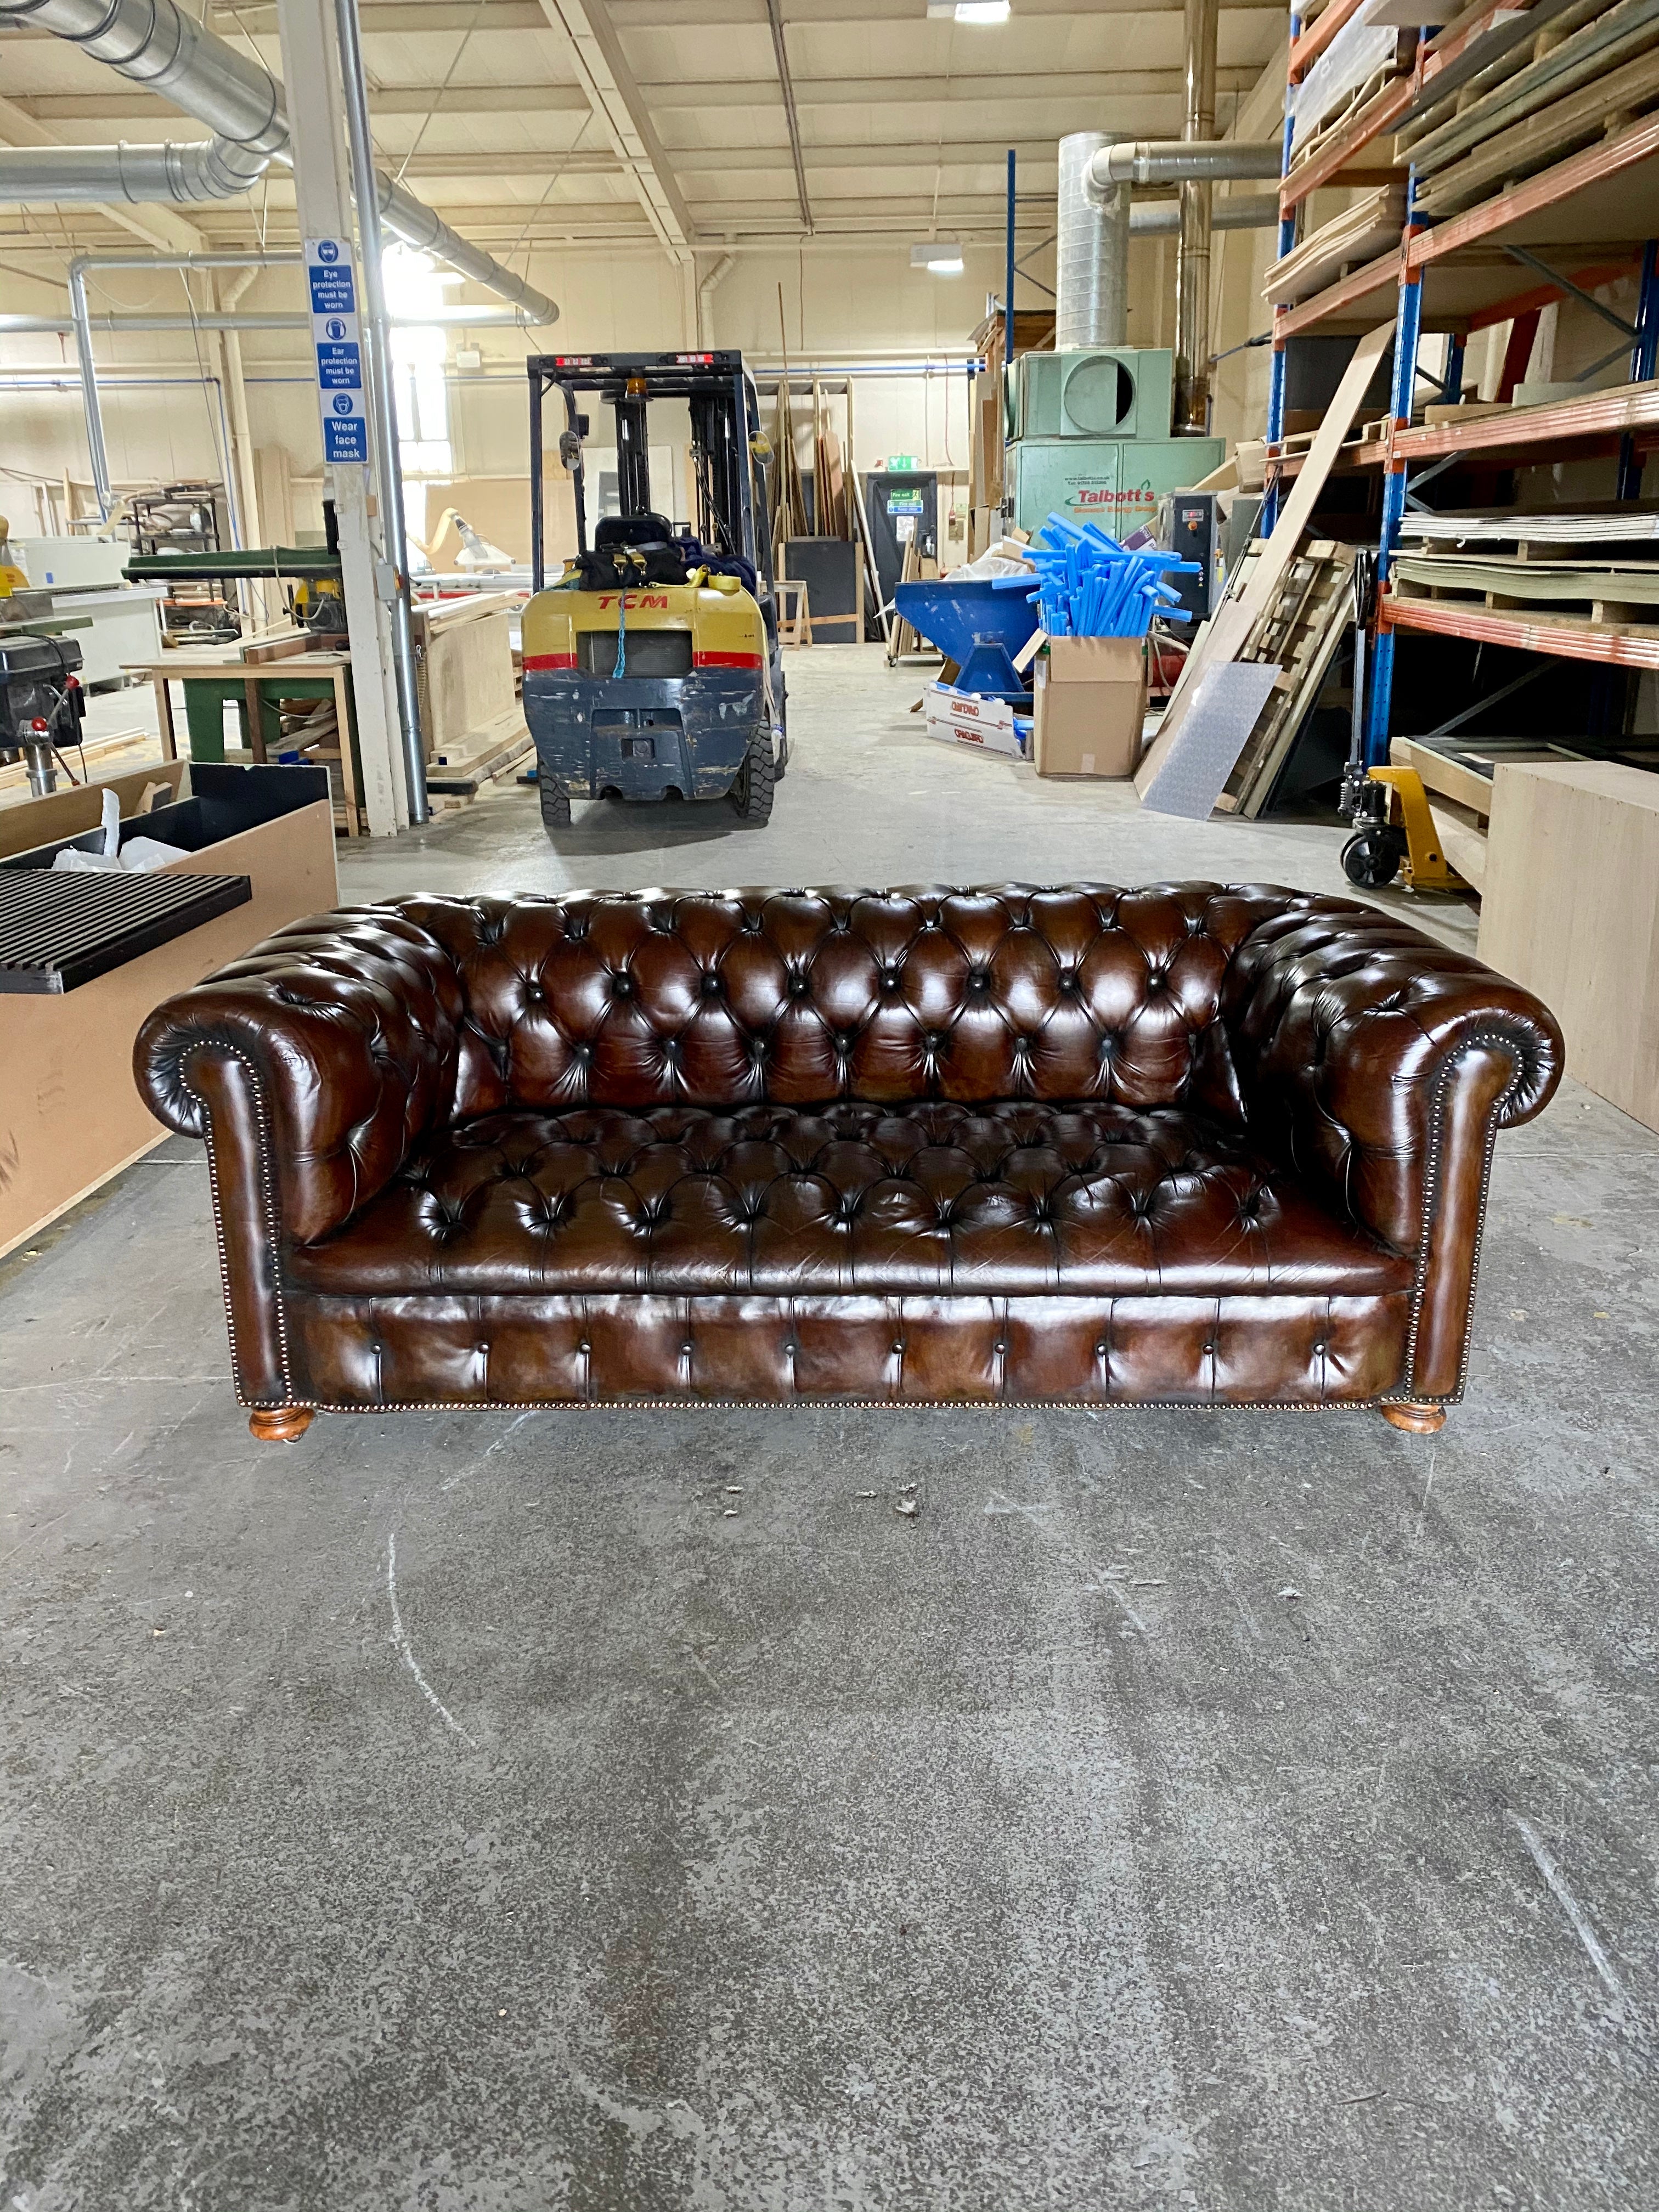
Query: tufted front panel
[798, 998]
[576, 1351]
[1008, 1198]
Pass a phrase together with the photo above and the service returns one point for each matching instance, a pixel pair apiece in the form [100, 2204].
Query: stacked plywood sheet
[1594, 67]
[1613, 524]
[1598, 594]
[1372, 224]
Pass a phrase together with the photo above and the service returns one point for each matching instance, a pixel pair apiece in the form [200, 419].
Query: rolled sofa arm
[311, 1066]
[1380, 1065]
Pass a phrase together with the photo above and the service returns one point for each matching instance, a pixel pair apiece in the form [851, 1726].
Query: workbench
[209, 680]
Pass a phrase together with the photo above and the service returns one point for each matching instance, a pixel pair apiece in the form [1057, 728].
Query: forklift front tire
[752, 793]
[556, 803]
[1371, 858]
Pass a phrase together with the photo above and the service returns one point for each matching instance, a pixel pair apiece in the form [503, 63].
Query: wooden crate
[1571, 910]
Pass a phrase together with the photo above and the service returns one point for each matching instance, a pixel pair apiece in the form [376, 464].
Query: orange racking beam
[1594, 166]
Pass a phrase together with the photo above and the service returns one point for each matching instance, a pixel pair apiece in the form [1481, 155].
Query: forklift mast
[633, 449]
[725, 415]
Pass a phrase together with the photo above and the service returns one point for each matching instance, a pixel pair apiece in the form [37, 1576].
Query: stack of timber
[1205, 727]
[1620, 595]
[1580, 70]
[1364, 58]
[1034, 332]
[1370, 226]
[473, 724]
[1602, 527]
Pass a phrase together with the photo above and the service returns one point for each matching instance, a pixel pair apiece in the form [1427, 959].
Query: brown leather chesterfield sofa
[1193, 1145]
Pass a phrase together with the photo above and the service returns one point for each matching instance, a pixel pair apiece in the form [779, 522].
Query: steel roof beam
[618, 104]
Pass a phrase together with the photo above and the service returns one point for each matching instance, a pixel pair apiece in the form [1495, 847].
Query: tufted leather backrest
[798, 997]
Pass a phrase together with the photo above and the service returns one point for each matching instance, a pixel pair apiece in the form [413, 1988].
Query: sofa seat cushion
[1014, 1200]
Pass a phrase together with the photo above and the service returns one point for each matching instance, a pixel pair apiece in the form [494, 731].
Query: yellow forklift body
[660, 689]
[725, 621]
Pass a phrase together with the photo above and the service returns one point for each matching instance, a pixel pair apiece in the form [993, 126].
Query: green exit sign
[899, 462]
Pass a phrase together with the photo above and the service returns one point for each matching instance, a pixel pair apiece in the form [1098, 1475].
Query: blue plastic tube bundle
[1088, 586]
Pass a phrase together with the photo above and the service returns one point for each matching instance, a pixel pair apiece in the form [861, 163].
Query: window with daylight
[415, 288]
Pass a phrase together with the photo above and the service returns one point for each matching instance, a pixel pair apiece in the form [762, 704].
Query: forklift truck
[652, 668]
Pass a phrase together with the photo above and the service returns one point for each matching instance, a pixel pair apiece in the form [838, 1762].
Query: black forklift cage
[723, 405]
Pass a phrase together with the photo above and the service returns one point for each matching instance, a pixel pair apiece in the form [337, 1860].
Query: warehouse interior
[882, 772]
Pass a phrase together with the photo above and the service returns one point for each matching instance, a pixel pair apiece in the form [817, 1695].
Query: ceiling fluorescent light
[941, 257]
[969, 11]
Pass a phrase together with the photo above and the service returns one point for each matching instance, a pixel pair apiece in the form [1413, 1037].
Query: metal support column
[1629, 485]
[1008, 285]
[1407, 334]
[1201, 22]
[1452, 389]
[1286, 244]
[311, 64]
[388, 459]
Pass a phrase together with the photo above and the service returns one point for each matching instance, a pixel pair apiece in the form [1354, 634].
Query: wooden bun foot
[286, 1425]
[1416, 1420]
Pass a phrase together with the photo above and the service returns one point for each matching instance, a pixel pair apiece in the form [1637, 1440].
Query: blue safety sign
[345, 438]
[339, 367]
[339, 350]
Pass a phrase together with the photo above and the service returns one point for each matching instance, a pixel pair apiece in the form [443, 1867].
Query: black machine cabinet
[904, 509]
[1186, 525]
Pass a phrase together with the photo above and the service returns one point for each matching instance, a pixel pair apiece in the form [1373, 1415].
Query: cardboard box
[966, 718]
[1090, 704]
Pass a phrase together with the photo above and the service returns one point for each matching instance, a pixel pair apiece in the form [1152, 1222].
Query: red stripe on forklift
[721, 660]
[534, 660]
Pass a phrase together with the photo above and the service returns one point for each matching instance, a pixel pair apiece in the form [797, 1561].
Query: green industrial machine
[1089, 435]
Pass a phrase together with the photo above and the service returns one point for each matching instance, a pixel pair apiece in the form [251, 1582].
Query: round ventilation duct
[1091, 260]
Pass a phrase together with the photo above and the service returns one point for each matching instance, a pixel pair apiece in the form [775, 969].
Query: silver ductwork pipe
[96, 449]
[388, 466]
[156, 44]
[31, 326]
[1175, 161]
[1091, 253]
[210, 169]
[1162, 218]
[1191, 346]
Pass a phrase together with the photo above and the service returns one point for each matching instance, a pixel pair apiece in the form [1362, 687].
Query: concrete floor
[604, 1812]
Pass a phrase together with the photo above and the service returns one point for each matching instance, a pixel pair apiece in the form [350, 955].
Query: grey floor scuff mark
[1568, 1904]
[401, 1645]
